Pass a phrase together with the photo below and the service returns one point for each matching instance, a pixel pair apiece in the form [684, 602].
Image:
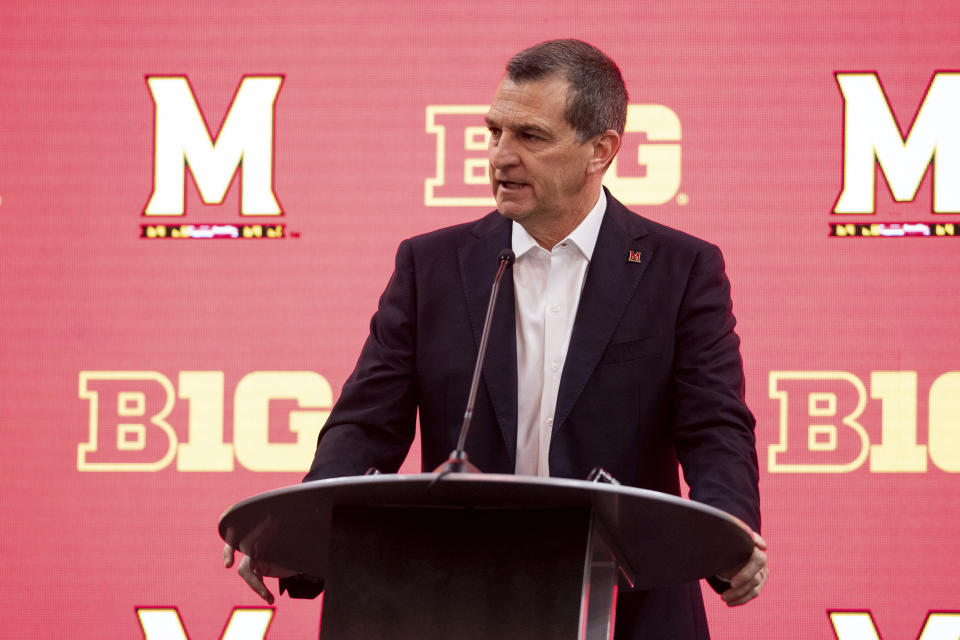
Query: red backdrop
[149, 382]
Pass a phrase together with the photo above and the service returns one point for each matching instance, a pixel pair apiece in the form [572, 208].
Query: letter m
[182, 139]
[871, 134]
[858, 625]
[164, 623]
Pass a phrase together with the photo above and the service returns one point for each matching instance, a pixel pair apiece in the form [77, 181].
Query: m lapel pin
[633, 256]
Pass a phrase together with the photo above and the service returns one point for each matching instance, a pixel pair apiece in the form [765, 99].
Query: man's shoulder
[656, 232]
[457, 235]
[443, 251]
[472, 229]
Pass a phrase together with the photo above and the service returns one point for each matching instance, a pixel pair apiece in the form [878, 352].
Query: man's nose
[503, 153]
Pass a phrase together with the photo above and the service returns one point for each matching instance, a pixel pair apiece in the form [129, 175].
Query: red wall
[849, 342]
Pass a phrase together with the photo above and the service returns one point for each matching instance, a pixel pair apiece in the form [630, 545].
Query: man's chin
[510, 208]
[512, 212]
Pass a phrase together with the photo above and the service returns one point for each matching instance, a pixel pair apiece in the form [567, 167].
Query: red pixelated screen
[200, 204]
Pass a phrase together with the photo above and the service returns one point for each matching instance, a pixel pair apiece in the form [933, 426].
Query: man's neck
[548, 235]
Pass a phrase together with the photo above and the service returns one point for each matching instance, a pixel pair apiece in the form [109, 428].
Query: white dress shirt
[547, 286]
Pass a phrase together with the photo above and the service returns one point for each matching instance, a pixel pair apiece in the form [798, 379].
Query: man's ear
[605, 147]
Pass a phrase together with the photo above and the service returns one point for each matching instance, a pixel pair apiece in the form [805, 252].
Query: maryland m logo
[871, 136]
[182, 140]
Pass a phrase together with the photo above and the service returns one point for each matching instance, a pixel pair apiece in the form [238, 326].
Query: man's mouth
[511, 186]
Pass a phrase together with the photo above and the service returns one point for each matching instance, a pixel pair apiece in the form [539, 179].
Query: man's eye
[526, 135]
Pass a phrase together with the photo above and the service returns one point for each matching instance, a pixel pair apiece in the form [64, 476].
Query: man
[613, 344]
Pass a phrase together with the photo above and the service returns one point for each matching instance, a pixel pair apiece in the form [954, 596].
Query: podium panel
[438, 573]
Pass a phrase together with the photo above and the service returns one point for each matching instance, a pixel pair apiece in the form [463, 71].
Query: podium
[481, 556]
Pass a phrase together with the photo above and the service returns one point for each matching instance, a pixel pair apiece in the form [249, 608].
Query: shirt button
[554, 365]
[555, 307]
[549, 422]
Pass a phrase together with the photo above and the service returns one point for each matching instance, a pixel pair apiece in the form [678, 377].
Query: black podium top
[659, 539]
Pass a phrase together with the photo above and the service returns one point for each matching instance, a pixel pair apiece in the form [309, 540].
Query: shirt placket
[553, 351]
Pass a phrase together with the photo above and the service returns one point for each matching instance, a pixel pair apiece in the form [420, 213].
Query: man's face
[538, 169]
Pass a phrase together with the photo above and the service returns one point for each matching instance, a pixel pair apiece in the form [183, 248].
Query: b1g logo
[821, 431]
[645, 172]
[182, 141]
[129, 427]
[872, 136]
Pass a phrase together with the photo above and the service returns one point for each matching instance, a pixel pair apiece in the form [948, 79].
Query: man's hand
[746, 583]
[253, 571]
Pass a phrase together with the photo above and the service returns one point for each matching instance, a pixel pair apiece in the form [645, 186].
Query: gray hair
[597, 100]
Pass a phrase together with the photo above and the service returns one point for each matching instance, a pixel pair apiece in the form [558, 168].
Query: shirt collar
[584, 237]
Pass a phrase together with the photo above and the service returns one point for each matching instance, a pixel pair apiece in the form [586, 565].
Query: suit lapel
[478, 266]
[610, 284]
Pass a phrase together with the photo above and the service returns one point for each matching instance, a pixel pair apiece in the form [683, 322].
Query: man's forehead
[537, 101]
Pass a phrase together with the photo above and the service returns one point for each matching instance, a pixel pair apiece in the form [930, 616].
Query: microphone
[457, 462]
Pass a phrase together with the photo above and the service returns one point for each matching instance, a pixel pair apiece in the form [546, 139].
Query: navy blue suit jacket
[653, 377]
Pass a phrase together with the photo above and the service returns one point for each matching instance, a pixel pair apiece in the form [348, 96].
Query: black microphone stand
[458, 462]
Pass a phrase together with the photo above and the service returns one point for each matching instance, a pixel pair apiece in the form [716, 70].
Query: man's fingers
[747, 583]
[252, 577]
[250, 570]
[228, 556]
[758, 541]
[747, 591]
[754, 563]
[748, 573]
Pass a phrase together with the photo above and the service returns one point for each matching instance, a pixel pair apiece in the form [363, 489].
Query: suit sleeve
[714, 429]
[374, 420]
